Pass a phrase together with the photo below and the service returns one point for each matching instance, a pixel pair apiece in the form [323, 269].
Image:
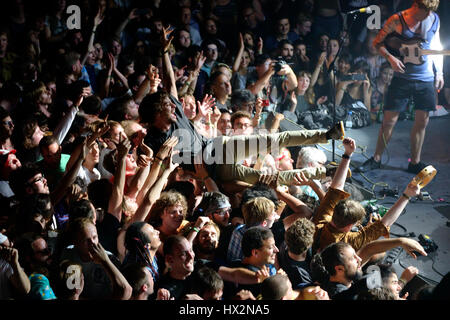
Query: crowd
[95, 202]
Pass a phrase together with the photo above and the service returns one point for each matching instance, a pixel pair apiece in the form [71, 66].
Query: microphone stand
[333, 67]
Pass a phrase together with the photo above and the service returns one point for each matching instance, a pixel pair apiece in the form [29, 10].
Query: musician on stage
[421, 82]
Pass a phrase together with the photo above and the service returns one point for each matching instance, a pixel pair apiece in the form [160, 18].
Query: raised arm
[394, 212]
[315, 74]
[237, 61]
[169, 75]
[132, 15]
[64, 125]
[70, 176]
[115, 202]
[156, 167]
[340, 176]
[97, 20]
[155, 191]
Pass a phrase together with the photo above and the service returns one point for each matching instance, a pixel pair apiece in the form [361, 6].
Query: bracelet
[195, 229]
[345, 156]
[156, 157]
[205, 178]
[162, 165]
[406, 196]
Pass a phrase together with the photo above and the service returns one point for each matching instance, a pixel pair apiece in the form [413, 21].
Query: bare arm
[69, 177]
[97, 20]
[256, 87]
[340, 176]
[394, 212]
[169, 75]
[319, 65]
[383, 245]
[120, 286]
[121, 27]
[19, 278]
[237, 61]
[389, 27]
[115, 202]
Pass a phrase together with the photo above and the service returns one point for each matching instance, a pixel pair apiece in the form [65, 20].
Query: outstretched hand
[166, 38]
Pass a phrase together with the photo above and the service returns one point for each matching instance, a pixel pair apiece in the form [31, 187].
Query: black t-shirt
[333, 288]
[108, 230]
[190, 141]
[297, 271]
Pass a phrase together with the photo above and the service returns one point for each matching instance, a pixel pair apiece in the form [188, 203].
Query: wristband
[207, 177]
[401, 281]
[406, 196]
[195, 229]
[159, 158]
[345, 156]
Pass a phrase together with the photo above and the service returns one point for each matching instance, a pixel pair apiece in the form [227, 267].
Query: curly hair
[300, 236]
[167, 199]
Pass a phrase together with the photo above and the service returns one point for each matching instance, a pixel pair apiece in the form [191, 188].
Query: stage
[425, 216]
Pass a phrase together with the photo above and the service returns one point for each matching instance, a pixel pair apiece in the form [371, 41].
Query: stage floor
[421, 216]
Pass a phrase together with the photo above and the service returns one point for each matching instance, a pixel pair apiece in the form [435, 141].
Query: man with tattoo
[421, 82]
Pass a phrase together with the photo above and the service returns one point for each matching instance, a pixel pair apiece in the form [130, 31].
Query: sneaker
[369, 165]
[337, 132]
[331, 168]
[416, 168]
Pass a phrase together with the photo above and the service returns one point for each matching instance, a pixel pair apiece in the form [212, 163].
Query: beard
[355, 276]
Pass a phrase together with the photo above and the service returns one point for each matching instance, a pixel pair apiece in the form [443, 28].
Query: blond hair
[427, 4]
[256, 210]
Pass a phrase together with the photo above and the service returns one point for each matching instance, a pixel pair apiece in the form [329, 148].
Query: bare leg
[389, 120]
[418, 134]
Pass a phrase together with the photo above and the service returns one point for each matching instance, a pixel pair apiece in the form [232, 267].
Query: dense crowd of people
[109, 129]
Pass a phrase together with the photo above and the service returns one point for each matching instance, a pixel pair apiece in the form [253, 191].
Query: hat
[40, 288]
[211, 204]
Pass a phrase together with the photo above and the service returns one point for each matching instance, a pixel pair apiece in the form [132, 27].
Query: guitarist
[417, 81]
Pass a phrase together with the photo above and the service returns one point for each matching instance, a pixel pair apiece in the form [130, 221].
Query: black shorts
[401, 91]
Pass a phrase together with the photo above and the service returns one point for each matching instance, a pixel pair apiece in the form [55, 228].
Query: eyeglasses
[41, 178]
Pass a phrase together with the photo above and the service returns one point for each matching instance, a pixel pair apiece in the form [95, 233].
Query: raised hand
[199, 61]
[123, 147]
[208, 102]
[99, 17]
[166, 38]
[165, 149]
[349, 146]
[300, 179]
[86, 92]
[409, 273]
[412, 190]
[270, 179]
[133, 14]
[153, 76]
